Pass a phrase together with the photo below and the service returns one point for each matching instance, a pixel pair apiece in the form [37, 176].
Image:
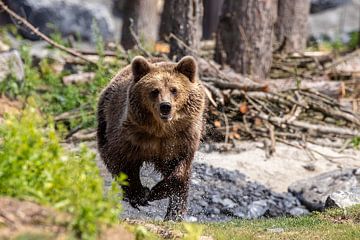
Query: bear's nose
[165, 108]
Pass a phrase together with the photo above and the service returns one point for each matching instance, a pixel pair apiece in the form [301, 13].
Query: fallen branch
[311, 127]
[340, 60]
[234, 85]
[78, 78]
[332, 89]
[136, 39]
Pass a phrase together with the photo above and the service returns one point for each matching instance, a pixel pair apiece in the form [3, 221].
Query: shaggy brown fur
[153, 112]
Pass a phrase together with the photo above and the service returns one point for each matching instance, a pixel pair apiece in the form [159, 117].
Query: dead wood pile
[300, 102]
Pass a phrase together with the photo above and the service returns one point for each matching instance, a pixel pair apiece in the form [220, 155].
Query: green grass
[34, 166]
[333, 224]
[336, 45]
[356, 142]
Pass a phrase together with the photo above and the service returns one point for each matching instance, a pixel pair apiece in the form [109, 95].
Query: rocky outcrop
[313, 192]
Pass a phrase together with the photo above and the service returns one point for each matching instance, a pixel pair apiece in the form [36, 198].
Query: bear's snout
[165, 110]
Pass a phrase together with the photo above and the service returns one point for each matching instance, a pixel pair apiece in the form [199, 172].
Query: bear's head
[164, 91]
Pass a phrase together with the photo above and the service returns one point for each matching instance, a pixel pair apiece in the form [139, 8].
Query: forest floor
[24, 220]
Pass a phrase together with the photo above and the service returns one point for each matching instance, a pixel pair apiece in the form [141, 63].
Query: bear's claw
[139, 199]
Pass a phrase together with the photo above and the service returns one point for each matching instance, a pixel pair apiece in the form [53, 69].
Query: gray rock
[11, 64]
[69, 17]
[257, 209]
[335, 23]
[313, 192]
[343, 199]
[322, 5]
[298, 211]
[275, 230]
[228, 203]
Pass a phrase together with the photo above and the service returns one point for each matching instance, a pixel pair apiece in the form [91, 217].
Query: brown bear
[152, 111]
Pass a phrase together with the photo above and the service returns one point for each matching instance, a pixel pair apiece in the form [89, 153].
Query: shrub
[34, 166]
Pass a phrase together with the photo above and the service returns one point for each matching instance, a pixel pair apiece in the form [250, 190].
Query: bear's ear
[140, 67]
[187, 66]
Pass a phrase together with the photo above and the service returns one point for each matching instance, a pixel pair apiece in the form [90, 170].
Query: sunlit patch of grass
[315, 226]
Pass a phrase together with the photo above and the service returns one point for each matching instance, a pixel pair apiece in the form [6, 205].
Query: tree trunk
[165, 22]
[183, 18]
[244, 36]
[145, 21]
[291, 27]
[212, 9]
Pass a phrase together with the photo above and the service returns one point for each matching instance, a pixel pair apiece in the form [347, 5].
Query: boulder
[69, 17]
[313, 192]
[11, 65]
[343, 199]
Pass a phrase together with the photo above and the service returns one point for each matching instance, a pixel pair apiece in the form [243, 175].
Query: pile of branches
[241, 109]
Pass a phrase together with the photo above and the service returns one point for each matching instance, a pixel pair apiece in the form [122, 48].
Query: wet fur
[129, 134]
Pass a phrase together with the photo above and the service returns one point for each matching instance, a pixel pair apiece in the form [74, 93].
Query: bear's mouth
[166, 117]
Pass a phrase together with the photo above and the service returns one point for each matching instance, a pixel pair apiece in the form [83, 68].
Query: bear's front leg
[134, 192]
[177, 205]
[176, 187]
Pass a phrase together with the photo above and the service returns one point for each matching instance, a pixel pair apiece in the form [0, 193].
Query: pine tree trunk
[212, 9]
[165, 22]
[183, 18]
[244, 36]
[291, 28]
[145, 20]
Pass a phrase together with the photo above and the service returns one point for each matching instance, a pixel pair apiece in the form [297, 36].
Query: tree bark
[291, 27]
[165, 22]
[183, 18]
[145, 21]
[244, 36]
[212, 9]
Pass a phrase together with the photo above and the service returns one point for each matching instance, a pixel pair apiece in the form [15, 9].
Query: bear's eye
[173, 91]
[154, 93]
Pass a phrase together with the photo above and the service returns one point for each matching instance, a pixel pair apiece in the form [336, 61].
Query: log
[334, 89]
[321, 129]
[78, 78]
[227, 76]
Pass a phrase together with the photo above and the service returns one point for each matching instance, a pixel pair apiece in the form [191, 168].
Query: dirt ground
[288, 164]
